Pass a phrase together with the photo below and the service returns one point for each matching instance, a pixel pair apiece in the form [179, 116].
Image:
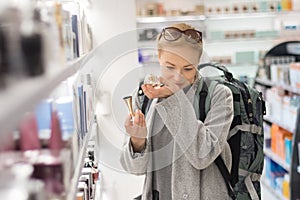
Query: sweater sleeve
[200, 142]
[135, 162]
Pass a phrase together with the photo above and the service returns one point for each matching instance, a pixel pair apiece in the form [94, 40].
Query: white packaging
[295, 74]
[286, 111]
[296, 5]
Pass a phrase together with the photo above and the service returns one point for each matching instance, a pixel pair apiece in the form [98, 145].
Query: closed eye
[170, 67]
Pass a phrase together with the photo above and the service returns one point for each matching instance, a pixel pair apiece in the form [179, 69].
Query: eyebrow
[174, 64]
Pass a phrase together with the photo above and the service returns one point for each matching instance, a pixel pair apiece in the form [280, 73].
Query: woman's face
[176, 69]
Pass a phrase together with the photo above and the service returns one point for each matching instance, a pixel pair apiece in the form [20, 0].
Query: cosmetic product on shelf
[64, 108]
[55, 141]
[32, 40]
[294, 74]
[43, 113]
[15, 182]
[52, 167]
[28, 129]
[286, 5]
[32, 46]
[11, 20]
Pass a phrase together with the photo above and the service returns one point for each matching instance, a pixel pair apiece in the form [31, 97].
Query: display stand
[289, 48]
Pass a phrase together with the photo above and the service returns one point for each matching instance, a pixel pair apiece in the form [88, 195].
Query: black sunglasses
[173, 34]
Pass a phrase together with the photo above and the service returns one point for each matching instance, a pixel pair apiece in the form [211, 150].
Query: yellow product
[286, 5]
[286, 187]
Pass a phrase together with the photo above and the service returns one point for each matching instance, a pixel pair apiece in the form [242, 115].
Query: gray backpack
[246, 132]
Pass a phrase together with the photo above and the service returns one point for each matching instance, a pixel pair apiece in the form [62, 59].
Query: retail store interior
[65, 66]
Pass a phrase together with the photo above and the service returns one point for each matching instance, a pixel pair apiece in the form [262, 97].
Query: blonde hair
[184, 46]
[182, 26]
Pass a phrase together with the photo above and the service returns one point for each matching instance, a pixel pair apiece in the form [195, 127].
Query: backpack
[246, 132]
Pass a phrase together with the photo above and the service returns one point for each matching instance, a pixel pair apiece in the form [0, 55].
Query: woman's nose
[178, 75]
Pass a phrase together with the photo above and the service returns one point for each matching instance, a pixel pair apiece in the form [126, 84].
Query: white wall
[114, 60]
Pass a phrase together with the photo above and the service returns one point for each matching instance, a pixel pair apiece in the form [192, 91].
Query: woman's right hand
[137, 130]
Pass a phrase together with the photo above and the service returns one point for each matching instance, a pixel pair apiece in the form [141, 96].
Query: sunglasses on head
[173, 34]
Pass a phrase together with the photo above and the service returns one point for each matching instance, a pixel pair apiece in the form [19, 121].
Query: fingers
[139, 118]
[155, 92]
[128, 121]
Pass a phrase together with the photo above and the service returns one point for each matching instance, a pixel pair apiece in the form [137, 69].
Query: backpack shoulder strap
[145, 101]
[207, 88]
[205, 94]
[143, 97]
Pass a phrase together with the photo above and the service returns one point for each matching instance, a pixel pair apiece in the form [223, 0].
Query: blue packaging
[288, 150]
[43, 114]
[64, 108]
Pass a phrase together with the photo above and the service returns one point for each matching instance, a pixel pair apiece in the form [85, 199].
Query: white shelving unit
[28, 92]
[71, 194]
[284, 87]
[159, 19]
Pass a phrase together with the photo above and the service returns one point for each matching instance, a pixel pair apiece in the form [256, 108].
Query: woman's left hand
[156, 91]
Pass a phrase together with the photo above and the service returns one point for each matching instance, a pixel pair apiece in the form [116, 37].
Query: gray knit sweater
[178, 160]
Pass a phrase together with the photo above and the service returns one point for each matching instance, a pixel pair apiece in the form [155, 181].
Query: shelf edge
[71, 194]
[277, 159]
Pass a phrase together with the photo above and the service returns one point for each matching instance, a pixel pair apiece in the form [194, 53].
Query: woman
[174, 149]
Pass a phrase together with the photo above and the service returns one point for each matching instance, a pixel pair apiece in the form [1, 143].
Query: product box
[274, 130]
[273, 171]
[286, 111]
[288, 149]
[64, 107]
[280, 143]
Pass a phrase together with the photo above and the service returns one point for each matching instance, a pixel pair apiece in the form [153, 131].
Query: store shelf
[215, 16]
[269, 153]
[159, 19]
[71, 194]
[239, 40]
[275, 193]
[273, 121]
[241, 15]
[271, 83]
[24, 95]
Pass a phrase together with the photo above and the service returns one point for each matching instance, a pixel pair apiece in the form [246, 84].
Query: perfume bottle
[128, 101]
[151, 79]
